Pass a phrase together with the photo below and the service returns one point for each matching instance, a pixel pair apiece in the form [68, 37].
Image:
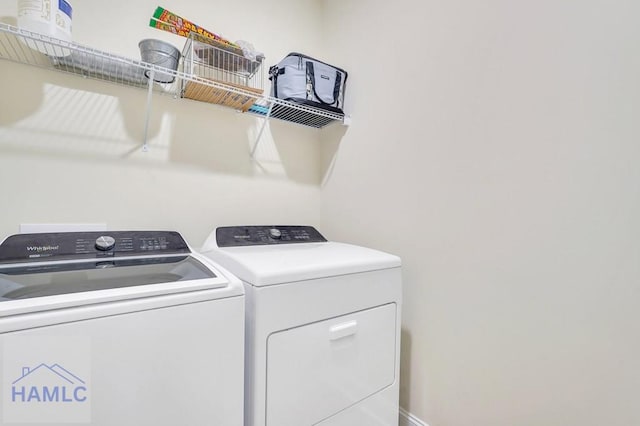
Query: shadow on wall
[51, 110]
[211, 138]
[331, 137]
[284, 146]
[405, 368]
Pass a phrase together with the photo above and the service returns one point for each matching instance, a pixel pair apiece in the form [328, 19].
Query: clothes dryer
[322, 326]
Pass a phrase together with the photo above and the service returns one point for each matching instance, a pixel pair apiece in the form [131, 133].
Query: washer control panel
[237, 236]
[88, 245]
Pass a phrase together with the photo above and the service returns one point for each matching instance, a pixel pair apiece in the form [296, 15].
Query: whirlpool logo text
[42, 248]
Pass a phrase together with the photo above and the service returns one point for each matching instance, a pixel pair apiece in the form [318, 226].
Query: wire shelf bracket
[259, 136]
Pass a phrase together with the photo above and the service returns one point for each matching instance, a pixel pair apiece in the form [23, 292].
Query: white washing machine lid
[73, 275]
[270, 264]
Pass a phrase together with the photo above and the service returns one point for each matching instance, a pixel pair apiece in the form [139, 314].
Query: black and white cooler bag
[305, 80]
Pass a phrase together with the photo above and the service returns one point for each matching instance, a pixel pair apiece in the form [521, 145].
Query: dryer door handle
[345, 329]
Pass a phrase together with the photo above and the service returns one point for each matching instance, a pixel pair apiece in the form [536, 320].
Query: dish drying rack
[229, 80]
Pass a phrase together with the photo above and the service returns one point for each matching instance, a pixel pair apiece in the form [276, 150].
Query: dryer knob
[105, 243]
[275, 233]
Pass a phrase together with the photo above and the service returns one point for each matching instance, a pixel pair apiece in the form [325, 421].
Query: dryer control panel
[89, 245]
[237, 236]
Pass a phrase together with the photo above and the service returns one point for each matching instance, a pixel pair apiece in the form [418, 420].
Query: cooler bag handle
[274, 72]
[336, 87]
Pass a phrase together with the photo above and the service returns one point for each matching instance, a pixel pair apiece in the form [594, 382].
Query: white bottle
[51, 18]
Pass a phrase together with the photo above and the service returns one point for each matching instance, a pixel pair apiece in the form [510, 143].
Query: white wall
[495, 147]
[70, 147]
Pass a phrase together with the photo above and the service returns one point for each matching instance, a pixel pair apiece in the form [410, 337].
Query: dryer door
[317, 370]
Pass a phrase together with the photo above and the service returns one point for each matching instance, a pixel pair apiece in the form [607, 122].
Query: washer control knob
[275, 233]
[105, 243]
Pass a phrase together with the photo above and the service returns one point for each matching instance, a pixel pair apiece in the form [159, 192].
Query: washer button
[105, 243]
[275, 233]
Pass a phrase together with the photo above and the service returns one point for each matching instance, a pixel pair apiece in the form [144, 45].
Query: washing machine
[123, 328]
[322, 326]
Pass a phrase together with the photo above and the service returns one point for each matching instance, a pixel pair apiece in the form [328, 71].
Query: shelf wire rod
[36, 47]
[264, 124]
[145, 147]
[16, 56]
[4, 52]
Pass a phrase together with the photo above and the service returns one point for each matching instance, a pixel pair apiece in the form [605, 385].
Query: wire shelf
[294, 113]
[25, 47]
[238, 84]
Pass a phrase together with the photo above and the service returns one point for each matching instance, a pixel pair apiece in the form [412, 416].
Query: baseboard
[408, 419]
